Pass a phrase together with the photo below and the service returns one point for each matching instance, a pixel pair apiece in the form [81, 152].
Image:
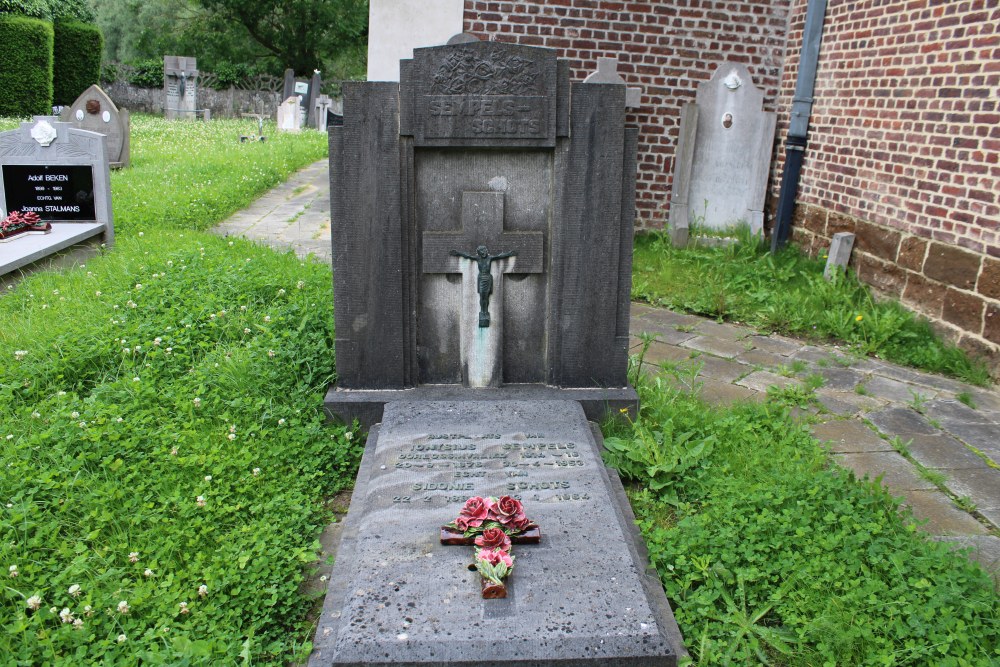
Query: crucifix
[481, 321]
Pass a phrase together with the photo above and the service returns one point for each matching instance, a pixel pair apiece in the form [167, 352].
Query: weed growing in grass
[966, 503]
[786, 292]
[771, 556]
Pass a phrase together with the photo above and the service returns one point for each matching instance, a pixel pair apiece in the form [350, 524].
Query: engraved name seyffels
[499, 94]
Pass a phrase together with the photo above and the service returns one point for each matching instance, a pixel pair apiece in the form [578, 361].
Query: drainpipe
[798, 128]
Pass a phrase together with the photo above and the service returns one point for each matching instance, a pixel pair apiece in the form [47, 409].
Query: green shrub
[38, 9]
[77, 56]
[26, 76]
[147, 73]
[75, 10]
[231, 74]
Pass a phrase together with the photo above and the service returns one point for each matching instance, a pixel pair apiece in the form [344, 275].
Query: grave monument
[723, 156]
[180, 87]
[482, 233]
[93, 110]
[306, 92]
[289, 115]
[59, 173]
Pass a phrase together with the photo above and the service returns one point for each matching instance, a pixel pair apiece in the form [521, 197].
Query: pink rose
[508, 510]
[476, 511]
[495, 557]
[462, 523]
[493, 539]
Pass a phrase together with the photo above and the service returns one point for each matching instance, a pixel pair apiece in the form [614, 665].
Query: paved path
[936, 451]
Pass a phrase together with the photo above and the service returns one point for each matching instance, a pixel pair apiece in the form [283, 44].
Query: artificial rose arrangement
[493, 525]
[23, 222]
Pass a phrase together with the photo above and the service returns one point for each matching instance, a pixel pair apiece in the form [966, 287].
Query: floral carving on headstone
[44, 133]
[464, 72]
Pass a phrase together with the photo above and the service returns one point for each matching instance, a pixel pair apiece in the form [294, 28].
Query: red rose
[495, 557]
[508, 510]
[493, 539]
[476, 511]
[520, 524]
[462, 523]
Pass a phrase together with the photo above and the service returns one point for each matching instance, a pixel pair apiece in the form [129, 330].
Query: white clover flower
[203, 590]
[74, 590]
[19, 355]
[170, 262]
[148, 572]
[13, 571]
[97, 293]
[122, 639]
[66, 615]
[349, 436]
[281, 292]
[135, 379]
[74, 415]
[127, 350]
[267, 318]
[78, 624]
[141, 234]
[123, 607]
[256, 471]
[212, 316]
[231, 436]
[119, 420]
[184, 608]
[138, 286]
[200, 500]
[281, 422]
[222, 313]
[246, 330]
[208, 478]
[88, 611]
[53, 610]
[173, 452]
[169, 350]
[157, 341]
[243, 308]
[300, 284]
[133, 556]
[34, 602]
[270, 354]
[56, 292]
[130, 303]
[36, 415]
[82, 424]
[232, 429]
[10, 436]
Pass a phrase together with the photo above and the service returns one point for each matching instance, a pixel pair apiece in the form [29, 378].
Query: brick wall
[666, 48]
[903, 150]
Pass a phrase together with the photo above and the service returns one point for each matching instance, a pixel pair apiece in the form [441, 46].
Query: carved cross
[482, 225]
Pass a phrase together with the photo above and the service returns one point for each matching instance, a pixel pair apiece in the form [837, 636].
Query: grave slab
[582, 596]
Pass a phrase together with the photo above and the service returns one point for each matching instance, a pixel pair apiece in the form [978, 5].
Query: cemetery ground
[166, 469]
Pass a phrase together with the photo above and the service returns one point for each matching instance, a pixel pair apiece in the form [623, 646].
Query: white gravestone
[723, 156]
[289, 118]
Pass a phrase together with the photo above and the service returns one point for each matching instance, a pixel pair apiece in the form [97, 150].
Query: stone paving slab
[756, 357]
[847, 403]
[940, 515]
[897, 473]
[946, 410]
[849, 436]
[900, 392]
[763, 380]
[775, 344]
[941, 452]
[721, 348]
[984, 549]
[901, 421]
[716, 392]
[980, 485]
[984, 437]
[839, 378]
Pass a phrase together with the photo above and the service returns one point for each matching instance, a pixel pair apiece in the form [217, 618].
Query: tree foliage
[79, 10]
[300, 34]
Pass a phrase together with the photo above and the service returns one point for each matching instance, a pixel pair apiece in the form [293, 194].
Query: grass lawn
[787, 293]
[165, 464]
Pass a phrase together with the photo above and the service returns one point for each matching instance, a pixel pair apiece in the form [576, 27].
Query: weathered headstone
[490, 150]
[323, 107]
[307, 92]
[581, 596]
[60, 173]
[289, 115]
[723, 156]
[180, 87]
[840, 254]
[93, 110]
[482, 235]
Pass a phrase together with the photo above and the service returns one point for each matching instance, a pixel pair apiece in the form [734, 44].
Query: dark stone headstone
[481, 144]
[582, 596]
[180, 87]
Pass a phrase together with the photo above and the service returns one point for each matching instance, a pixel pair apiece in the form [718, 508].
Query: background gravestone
[93, 110]
[307, 93]
[723, 155]
[180, 87]
[481, 144]
[289, 115]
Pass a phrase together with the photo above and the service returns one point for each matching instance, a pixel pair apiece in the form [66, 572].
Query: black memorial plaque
[54, 192]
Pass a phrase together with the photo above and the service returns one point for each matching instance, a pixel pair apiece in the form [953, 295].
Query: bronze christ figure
[484, 284]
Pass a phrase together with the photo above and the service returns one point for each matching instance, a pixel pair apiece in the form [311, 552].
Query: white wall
[396, 27]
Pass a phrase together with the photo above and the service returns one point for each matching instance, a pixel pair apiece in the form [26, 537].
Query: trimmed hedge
[77, 59]
[26, 76]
